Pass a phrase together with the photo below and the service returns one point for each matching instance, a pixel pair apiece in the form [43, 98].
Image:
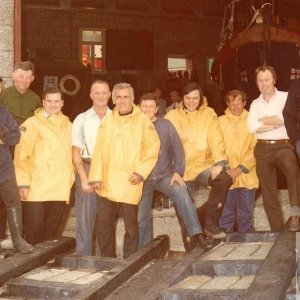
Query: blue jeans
[86, 211]
[179, 196]
[238, 208]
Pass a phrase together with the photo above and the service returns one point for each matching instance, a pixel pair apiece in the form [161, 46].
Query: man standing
[240, 144]
[21, 102]
[18, 99]
[44, 170]
[9, 136]
[125, 153]
[199, 130]
[274, 149]
[84, 135]
[291, 114]
[166, 177]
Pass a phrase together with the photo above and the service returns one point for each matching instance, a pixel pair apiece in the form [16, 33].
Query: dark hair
[265, 68]
[192, 87]
[149, 96]
[234, 94]
[52, 90]
[25, 66]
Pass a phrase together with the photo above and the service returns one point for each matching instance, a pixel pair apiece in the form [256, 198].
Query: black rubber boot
[14, 217]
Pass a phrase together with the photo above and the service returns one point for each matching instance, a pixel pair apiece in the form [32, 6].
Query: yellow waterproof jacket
[201, 137]
[125, 145]
[43, 158]
[240, 144]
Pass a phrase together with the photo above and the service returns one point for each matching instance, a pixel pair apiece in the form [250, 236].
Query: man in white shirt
[274, 149]
[84, 135]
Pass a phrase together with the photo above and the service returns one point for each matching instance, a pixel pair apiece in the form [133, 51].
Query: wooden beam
[127, 268]
[19, 263]
[276, 274]
[17, 31]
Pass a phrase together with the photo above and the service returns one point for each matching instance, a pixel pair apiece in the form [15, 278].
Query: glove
[297, 144]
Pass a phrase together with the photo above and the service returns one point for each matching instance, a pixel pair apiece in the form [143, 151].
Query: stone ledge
[165, 221]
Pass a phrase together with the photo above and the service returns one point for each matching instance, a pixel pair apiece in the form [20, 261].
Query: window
[92, 49]
[177, 63]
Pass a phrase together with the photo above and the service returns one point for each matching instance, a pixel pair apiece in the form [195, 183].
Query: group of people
[121, 156]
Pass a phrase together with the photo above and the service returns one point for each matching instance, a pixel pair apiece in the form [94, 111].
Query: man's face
[100, 94]
[53, 103]
[174, 96]
[123, 101]
[236, 105]
[149, 108]
[192, 100]
[265, 82]
[157, 93]
[22, 80]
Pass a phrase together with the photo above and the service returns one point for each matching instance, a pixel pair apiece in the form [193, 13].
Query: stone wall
[6, 39]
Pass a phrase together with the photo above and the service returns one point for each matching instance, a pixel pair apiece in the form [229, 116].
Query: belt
[273, 141]
[87, 160]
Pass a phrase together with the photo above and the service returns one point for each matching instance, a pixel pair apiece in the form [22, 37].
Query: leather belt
[273, 141]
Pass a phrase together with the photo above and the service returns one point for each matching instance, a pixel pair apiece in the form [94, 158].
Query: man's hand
[177, 178]
[135, 179]
[86, 188]
[23, 193]
[215, 171]
[234, 173]
[1, 142]
[97, 185]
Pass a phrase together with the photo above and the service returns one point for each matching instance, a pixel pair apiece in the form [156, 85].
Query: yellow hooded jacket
[201, 137]
[43, 159]
[240, 144]
[125, 145]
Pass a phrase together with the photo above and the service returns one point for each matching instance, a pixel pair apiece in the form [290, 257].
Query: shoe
[215, 233]
[14, 217]
[205, 242]
[293, 223]
[198, 240]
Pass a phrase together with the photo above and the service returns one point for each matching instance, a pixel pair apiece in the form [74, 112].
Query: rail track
[245, 266]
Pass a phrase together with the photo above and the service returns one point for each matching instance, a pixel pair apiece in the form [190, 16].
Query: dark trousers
[106, 230]
[3, 219]
[9, 193]
[218, 193]
[42, 220]
[268, 158]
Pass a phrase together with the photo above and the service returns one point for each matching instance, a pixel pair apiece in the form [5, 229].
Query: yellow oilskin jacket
[201, 137]
[125, 145]
[43, 158]
[240, 144]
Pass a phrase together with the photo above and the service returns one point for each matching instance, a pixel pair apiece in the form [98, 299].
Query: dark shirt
[10, 135]
[171, 155]
[291, 112]
[21, 106]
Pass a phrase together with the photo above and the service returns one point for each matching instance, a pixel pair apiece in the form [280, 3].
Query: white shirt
[84, 131]
[261, 108]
